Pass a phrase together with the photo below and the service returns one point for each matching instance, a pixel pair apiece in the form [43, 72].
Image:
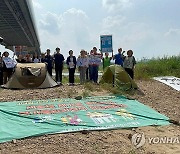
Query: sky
[151, 28]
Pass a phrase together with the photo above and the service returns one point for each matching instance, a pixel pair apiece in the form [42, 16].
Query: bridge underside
[17, 26]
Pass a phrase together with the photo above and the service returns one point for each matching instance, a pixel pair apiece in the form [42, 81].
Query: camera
[1, 40]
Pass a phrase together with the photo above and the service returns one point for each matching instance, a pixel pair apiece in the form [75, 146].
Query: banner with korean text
[171, 81]
[22, 119]
[106, 43]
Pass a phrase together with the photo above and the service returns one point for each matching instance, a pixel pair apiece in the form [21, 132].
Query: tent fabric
[115, 74]
[35, 71]
[30, 76]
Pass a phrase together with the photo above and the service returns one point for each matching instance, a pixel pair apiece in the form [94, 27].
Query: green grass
[116, 90]
[65, 79]
[167, 66]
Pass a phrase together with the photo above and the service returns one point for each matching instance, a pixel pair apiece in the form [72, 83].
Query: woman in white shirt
[82, 63]
[36, 59]
[129, 63]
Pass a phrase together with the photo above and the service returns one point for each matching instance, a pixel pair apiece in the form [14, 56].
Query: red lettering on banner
[100, 103]
[24, 113]
[40, 106]
[69, 105]
[91, 103]
[51, 106]
[79, 104]
[30, 107]
[82, 108]
[103, 107]
[37, 112]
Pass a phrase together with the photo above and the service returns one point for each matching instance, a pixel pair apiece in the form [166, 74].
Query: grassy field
[167, 66]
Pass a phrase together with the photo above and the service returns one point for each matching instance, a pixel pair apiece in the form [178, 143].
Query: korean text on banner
[106, 43]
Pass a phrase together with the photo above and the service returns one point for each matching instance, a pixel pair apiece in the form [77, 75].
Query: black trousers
[1, 76]
[58, 70]
[71, 75]
[49, 69]
[87, 74]
[130, 72]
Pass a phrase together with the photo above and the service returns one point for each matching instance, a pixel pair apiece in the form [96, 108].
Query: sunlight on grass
[167, 66]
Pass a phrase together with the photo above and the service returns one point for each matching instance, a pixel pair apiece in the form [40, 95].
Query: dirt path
[154, 94]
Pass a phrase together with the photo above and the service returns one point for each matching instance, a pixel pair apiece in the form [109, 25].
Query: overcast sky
[151, 28]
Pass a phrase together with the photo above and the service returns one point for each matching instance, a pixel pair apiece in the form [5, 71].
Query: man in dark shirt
[21, 59]
[49, 61]
[58, 60]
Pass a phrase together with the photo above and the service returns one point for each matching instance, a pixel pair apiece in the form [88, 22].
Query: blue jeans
[93, 73]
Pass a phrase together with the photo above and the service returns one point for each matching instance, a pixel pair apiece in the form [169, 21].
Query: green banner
[35, 117]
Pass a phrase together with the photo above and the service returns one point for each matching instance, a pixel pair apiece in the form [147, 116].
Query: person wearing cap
[49, 61]
[58, 60]
[71, 64]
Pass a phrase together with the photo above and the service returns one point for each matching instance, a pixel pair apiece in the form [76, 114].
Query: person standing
[28, 58]
[42, 59]
[119, 57]
[1, 70]
[95, 60]
[107, 60]
[87, 70]
[59, 60]
[82, 63]
[91, 62]
[36, 58]
[71, 63]
[20, 59]
[8, 66]
[49, 61]
[129, 63]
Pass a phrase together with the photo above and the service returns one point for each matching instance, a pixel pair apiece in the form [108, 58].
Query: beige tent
[30, 76]
[116, 75]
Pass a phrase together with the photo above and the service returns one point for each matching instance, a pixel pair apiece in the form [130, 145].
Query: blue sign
[106, 43]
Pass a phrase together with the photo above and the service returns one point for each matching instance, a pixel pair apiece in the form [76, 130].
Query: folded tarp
[171, 81]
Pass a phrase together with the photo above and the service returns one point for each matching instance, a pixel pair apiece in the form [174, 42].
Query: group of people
[8, 64]
[127, 62]
[87, 64]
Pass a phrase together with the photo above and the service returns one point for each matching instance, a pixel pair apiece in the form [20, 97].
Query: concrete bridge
[17, 25]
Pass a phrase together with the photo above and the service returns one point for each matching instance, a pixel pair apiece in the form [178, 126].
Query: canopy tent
[116, 75]
[30, 76]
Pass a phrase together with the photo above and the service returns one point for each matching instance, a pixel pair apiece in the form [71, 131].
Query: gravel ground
[154, 94]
